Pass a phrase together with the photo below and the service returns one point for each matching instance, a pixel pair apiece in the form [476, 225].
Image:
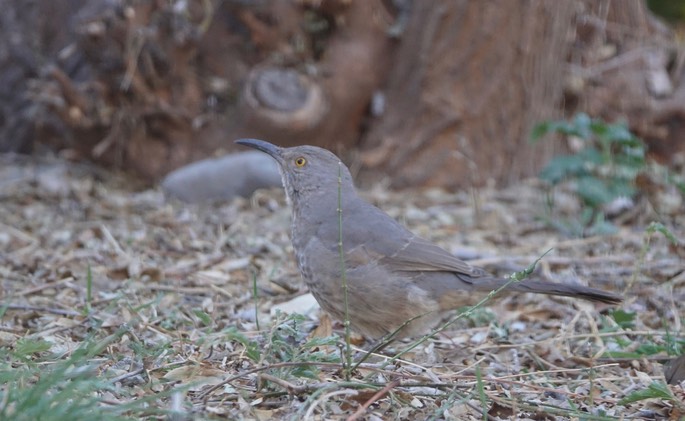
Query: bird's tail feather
[551, 288]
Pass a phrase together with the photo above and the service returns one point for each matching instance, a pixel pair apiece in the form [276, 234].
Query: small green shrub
[40, 385]
[287, 341]
[602, 170]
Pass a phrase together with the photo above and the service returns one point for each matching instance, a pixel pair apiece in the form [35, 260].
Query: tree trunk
[432, 92]
[468, 82]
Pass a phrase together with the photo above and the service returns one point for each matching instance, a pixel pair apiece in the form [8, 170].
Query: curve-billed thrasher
[393, 276]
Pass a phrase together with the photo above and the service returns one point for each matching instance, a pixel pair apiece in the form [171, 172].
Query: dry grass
[136, 307]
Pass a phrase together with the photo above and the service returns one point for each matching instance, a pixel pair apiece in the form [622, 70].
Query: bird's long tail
[551, 288]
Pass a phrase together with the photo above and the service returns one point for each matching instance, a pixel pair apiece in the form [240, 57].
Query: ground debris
[185, 295]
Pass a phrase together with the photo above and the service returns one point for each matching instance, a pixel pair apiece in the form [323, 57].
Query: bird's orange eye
[300, 162]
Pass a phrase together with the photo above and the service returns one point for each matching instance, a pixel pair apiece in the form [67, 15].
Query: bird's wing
[378, 237]
[420, 255]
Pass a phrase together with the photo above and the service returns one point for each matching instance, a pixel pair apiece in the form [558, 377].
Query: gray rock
[223, 178]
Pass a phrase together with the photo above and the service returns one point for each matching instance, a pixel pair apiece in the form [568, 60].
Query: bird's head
[305, 170]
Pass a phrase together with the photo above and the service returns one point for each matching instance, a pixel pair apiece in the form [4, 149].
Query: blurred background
[427, 93]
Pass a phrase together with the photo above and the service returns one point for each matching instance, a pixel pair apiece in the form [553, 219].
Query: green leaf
[600, 129]
[621, 188]
[306, 371]
[609, 132]
[591, 155]
[622, 354]
[582, 125]
[593, 191]
[621, 135]
[625, 319]
[540, 130]
[561, 167]
[650, 349]
[562, 127]
[659, 227]
[251, 347]
[326, 341]
[602, 227]
[586, 216]
[656, 390]
[630, 157]
[25, 348]
[605, 168]
[204, 317]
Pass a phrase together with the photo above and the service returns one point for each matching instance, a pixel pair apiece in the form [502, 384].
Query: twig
[595, 334]
[38, 288]
[43, 310]
[562, 370]
[556, 260]
[472, 379]
[33, 242]
[312, 407]
[371, 353]
[617, 61]
[127, 375]
[73, 96]
[579, 336]
[677, 327]
[291, 388]
[343, 276]
[110, 239]
[566, 413]
[181, 290]
[221, 291]
[53, 330]
[231, 379]
[373, 399]
[187, 268]
[255, 295]
[385, 341]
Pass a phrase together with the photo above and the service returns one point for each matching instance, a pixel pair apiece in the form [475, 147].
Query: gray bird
[393, 276]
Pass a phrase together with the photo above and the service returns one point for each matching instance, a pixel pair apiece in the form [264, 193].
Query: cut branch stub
[283, 99]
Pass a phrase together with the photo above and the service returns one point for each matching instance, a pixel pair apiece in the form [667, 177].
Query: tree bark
[432, 92]
[468, 82]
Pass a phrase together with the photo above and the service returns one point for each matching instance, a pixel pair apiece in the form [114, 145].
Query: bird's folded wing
[421, 255]
[373, 236]
[412, 254]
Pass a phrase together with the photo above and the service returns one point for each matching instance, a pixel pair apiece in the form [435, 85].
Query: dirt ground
[183, 300]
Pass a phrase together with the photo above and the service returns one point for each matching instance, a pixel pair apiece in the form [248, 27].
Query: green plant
[667, 342]
[255, 297]
[285, 345]
[482, 396]
[656, 390]
[40, 385]
[287, 341]
[252, 348]
[652, 228]
[603, 169]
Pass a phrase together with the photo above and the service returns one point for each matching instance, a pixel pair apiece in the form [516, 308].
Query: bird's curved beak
[263, 146]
